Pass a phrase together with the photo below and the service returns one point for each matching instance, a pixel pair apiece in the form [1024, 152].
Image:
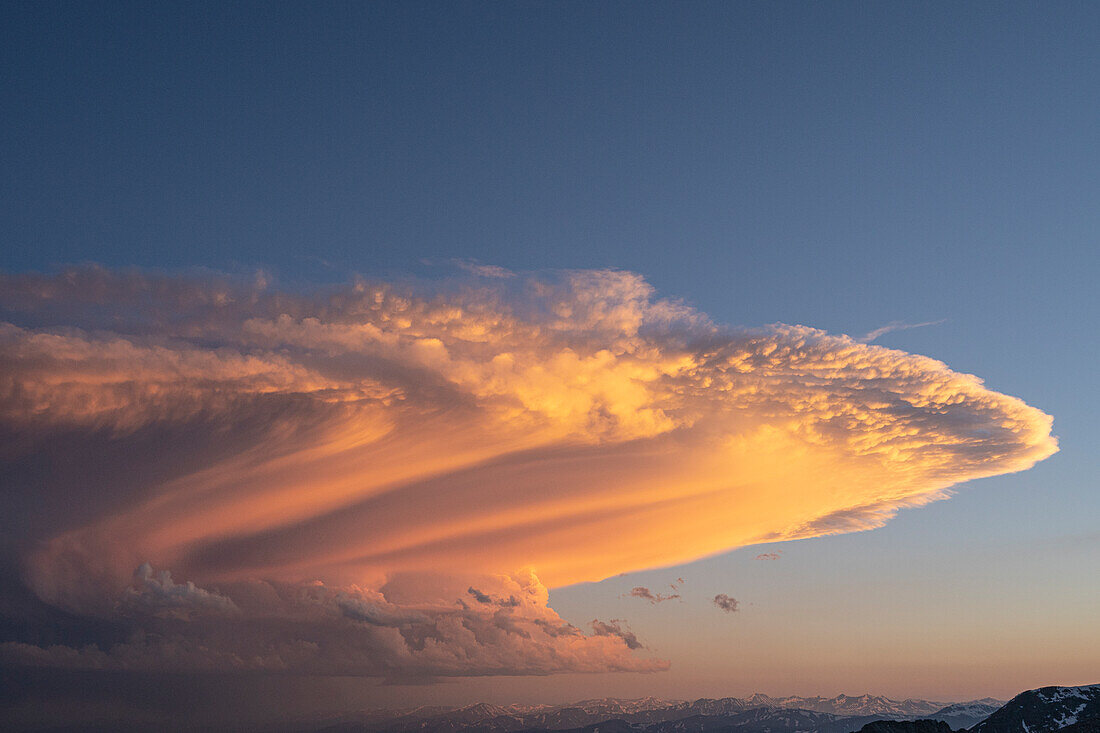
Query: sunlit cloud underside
[384, 478]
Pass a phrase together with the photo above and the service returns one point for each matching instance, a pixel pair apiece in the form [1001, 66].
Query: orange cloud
[573, 424]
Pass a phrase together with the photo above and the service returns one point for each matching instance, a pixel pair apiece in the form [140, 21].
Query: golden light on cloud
[572, 425]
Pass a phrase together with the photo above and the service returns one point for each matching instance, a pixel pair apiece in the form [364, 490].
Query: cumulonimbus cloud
[572, 424]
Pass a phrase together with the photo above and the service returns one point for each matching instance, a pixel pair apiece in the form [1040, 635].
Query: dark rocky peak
[906, 726]
[1044, 710]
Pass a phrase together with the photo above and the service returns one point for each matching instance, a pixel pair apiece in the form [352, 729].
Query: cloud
[312, 628]
[727, 604]
[647, 595]
[477, 268]
[229, 430]
[487, 599]
[479, 596]
[156, 593]
[895, 326]
[769, 555]
[613, 628]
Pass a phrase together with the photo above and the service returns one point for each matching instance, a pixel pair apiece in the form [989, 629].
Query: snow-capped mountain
[841, 705]
[965, 714]
[1044, 710]
[614, 706]
[849, 705]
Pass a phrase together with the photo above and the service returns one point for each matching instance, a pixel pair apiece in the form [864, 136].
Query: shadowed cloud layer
[311, 442]
[312, 628]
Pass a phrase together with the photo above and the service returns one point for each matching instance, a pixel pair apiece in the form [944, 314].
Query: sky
[400, 353]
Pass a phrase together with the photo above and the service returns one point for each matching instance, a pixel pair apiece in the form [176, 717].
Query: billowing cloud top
[570, 425]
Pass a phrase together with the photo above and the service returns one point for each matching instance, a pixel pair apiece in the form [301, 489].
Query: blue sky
[836, 165]
[841, 166]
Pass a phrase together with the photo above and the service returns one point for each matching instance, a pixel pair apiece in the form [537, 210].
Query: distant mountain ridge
[654, 715]
[1043, 710]
[848, 705]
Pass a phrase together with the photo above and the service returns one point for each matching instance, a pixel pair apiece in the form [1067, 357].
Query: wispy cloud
[895, 326]
[647, 595]
[481, 270]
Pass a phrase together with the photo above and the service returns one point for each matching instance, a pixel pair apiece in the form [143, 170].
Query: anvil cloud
[350, 462]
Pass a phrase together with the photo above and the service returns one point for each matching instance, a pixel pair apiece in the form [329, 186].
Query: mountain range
[1064, 709]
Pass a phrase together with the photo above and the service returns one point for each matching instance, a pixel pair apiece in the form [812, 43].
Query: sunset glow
[551, 430]
[410, 366]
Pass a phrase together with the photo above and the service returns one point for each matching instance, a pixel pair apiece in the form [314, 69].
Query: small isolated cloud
[614, 628]
[647, 595]
[895, 326]
[769, 555]
[727, 604]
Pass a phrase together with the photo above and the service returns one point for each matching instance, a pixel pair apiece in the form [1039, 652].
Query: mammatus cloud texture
[383, 478]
